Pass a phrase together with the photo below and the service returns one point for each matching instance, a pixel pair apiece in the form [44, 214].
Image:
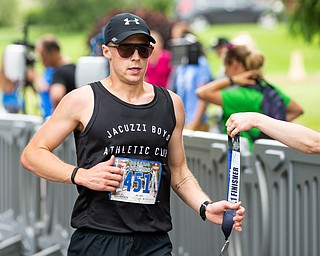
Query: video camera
[18, 56]
[30, 55]
[185, 50]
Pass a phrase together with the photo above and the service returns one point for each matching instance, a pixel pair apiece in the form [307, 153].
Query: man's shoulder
[81, 95]
[176, 99]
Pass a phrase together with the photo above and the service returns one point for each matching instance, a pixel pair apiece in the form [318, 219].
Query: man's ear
[106, 52]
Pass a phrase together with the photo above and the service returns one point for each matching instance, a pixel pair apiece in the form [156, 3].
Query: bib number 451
[137, 181]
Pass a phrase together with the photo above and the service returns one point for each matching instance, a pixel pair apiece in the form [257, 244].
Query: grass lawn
[279, 48]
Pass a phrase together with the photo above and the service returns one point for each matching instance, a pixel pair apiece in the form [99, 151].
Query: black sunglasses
[127, 50]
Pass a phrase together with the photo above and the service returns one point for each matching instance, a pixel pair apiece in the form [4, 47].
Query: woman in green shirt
[233, 93]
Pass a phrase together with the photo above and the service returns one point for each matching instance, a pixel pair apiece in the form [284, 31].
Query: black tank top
[130, 131]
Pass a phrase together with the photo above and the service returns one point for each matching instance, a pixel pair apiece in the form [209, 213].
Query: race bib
[141, 181]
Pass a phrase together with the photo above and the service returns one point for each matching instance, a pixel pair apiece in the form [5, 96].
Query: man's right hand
[102, 177]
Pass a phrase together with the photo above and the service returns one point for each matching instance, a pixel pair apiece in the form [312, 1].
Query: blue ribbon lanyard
[233, 187]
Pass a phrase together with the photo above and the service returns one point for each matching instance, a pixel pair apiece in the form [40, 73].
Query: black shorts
[95, 243]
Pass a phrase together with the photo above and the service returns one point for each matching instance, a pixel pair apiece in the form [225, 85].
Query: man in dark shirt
[128, 135]
[63, 79]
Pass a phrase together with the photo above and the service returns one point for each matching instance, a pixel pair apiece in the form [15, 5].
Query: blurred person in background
[20, 96]
[187, 77]
[63, 75]
[42, 84]
[233, 93]
[180, 29]
[10, 95]
[220, 47]
[159, 66]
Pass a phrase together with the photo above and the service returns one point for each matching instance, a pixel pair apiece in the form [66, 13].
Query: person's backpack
[272, 103]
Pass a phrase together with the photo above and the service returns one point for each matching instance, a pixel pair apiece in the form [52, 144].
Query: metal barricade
[34, 213]
[291, 184]
[59, 201]
[19, 190]
[206, 155]
[280, 189]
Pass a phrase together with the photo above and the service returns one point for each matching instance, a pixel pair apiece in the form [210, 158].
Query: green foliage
[305, 20]
[69, 14]
[164, 6]
[82, 14]
[34, 15]
[8, 13]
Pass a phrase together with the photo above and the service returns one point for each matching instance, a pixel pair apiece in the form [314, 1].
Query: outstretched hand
[239, 122]
[215, 212]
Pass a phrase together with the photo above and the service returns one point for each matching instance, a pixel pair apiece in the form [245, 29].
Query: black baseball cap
[123, 25]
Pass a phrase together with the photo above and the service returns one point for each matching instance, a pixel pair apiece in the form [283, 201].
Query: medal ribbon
[233, 183]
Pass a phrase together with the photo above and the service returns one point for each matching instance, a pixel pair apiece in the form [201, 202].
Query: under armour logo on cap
[127, 21]
[123, 25]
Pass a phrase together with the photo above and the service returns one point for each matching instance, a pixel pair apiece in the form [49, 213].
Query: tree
[304, 19]
[82, 14]
[9, 9]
